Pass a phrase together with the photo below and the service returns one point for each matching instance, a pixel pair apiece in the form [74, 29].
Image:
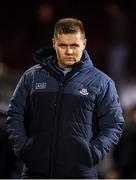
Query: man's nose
[69, 50]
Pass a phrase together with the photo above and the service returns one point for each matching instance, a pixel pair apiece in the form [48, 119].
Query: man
[64, 115]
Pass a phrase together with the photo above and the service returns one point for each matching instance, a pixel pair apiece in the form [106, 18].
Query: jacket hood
[43, 55]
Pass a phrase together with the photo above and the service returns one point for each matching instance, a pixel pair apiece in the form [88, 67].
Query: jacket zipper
[52, 163]
[53, 142]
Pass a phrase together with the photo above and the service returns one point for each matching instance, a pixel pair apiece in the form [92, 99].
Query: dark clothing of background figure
[125, 153]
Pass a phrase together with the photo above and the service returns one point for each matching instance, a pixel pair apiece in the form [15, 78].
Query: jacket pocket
[36, 153]
[76, 151]
[26, 146]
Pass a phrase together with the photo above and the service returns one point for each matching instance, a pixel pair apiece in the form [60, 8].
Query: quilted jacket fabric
[62, 126]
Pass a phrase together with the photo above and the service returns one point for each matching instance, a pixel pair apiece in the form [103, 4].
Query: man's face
[69, 49]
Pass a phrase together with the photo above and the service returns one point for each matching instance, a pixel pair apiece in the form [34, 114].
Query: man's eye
[74, 46]
[62, 45]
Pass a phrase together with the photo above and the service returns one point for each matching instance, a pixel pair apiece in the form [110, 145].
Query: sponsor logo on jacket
[40, 85]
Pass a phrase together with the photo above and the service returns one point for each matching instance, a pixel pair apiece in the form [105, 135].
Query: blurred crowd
[110, 27]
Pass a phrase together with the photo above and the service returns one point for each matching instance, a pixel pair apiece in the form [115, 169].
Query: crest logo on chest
[84, 91]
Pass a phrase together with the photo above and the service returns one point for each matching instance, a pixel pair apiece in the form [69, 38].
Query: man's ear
[53, 43]
[85, 41]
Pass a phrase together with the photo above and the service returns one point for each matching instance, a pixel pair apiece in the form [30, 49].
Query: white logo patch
[84, 91]
[40, 85]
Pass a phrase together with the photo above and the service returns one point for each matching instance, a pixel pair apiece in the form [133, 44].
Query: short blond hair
[69, 26]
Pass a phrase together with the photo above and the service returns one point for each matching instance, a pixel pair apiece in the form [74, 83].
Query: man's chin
[70, 65]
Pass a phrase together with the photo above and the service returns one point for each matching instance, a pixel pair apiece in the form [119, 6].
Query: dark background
[21, 32]
[26, 26]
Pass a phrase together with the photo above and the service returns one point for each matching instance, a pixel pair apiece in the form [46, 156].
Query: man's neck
[66, 68]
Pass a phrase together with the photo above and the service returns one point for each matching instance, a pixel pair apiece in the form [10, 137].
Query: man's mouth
[69, 58]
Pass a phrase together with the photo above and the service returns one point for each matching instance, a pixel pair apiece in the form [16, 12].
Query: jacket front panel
[73, 127]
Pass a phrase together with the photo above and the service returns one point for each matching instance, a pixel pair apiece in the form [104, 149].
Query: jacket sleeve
[16, 114]
[110, 122]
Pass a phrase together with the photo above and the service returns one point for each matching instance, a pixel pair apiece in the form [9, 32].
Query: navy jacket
[62, 126]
